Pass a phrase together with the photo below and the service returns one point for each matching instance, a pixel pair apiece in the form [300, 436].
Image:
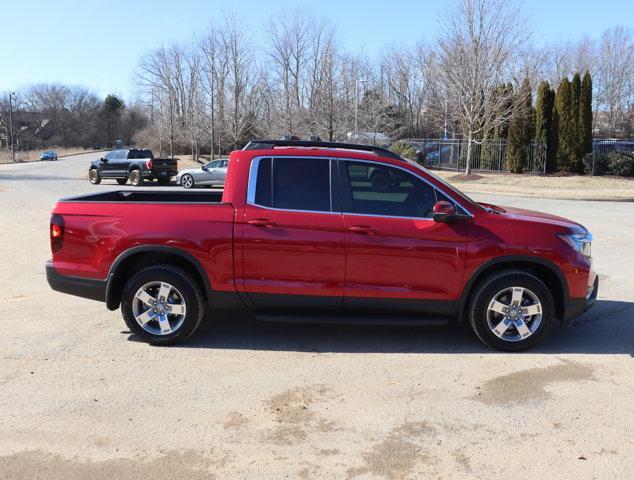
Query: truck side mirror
[445, 212]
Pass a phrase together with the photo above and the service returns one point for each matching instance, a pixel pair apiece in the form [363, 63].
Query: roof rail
[267, 144]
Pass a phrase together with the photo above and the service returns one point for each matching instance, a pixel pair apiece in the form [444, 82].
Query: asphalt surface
[80, 398]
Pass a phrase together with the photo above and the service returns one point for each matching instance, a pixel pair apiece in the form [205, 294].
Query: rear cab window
[139, 153]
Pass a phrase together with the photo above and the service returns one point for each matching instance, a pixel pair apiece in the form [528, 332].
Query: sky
[98, 43]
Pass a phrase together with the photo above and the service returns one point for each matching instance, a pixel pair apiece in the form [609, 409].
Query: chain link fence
[487, 155]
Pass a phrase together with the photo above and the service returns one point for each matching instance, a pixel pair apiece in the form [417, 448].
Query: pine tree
[502, 130]
[520, 130]
[544, 121]
[490, 147]
[565, 119]
[585, 114]
[575, 85]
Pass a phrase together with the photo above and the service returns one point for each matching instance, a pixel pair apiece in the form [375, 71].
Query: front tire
[163, 305]
[511, 310]
[136, 179]
[94, 176]
[122, 181]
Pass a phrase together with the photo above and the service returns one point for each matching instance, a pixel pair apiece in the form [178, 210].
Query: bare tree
[241, 94]
[615, 84]
[479, 41]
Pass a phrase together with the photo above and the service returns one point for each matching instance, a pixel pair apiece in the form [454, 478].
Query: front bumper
[78, 286]
[576, 306]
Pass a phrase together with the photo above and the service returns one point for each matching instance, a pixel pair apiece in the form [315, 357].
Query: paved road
[79, 398]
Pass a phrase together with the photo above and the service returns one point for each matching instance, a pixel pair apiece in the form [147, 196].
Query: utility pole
[11, 94]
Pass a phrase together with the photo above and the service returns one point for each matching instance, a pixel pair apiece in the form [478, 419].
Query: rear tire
[164, 181]
[122, 181]
[94, 176]
[501, 321]
[153, 323]
[136, 179]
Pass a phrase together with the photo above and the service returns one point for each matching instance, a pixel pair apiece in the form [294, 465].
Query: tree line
[561, 120]
[475, 79]
[228, 84]
[47, 115]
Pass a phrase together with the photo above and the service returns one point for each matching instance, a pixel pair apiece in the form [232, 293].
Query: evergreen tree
[544, 121]
[502, 130]
[520, 130]
[585, 114]
[575, 86]
[490, 150]
[111, 111]
[565, 120]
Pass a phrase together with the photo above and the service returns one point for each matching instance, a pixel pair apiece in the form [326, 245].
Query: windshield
[449, 187]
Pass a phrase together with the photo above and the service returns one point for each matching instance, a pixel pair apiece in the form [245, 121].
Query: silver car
[210, 174]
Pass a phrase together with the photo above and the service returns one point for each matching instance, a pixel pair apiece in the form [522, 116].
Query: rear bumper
[576, 306]
[160, 173]
[78, 286]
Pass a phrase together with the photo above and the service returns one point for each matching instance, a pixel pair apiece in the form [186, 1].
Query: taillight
[148, 164]
[57, 232]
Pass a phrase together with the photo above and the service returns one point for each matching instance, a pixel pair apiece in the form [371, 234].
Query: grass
[186, 161]
[573, 187]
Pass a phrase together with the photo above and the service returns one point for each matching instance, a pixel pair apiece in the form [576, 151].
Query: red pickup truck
[322, 232]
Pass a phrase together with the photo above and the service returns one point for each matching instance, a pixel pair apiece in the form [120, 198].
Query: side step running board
[352, 319]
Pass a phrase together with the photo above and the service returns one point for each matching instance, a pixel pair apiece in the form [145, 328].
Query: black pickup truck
[134, 164]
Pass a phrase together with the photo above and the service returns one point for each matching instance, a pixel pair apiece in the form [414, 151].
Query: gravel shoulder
[80, 398]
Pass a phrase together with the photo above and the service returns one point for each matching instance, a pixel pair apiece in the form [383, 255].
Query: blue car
[48, 155]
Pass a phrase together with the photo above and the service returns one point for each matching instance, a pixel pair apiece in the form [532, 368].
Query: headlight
[580, 242]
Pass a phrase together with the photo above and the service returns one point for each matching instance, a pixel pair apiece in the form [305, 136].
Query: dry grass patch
[577, 187]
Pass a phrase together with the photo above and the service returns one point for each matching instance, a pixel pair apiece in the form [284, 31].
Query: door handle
[363, 229]
[261, 222]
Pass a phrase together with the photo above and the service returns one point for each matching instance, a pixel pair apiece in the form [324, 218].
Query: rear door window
[291, 183]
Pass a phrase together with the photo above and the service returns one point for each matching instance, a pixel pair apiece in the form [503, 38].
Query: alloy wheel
[187, 181]
[159, 308]
[514, 314]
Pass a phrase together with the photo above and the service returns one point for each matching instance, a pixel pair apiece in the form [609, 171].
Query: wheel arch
[137, 258]
[543, 269]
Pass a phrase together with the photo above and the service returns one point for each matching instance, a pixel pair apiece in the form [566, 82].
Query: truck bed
[147, 196]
